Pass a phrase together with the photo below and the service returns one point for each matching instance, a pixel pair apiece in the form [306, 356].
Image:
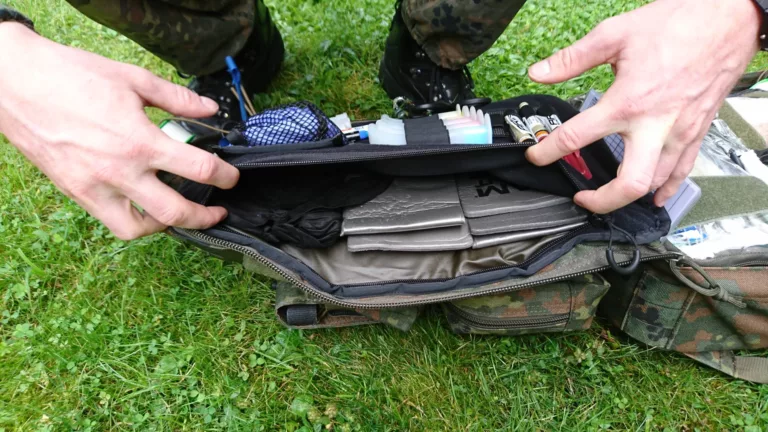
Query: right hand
[80, 118]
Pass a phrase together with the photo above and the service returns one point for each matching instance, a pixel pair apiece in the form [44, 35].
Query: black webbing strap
[426, 131]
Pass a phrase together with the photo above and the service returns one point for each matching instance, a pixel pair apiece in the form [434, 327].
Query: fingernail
[210, 103]
[540, 69]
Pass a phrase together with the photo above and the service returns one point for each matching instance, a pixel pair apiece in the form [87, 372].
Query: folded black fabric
[302, 207]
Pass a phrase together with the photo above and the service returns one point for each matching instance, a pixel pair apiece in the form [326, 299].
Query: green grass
[99, 334]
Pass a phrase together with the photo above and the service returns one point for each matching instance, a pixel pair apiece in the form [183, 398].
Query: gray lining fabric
[340, 266]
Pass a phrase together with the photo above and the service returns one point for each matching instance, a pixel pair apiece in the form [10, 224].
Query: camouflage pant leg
[455, 32]
[193, 35]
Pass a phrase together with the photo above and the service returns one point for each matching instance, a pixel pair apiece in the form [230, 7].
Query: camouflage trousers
[196, 35]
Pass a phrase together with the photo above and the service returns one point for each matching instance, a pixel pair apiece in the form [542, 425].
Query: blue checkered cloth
[289, 124]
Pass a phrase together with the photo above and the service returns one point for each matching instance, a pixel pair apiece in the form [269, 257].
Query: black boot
[257, 70]
[406, 71]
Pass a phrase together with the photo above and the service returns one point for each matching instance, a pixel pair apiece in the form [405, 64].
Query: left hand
[675, 62]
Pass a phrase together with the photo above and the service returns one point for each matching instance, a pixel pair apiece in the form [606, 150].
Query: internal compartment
[267, 192]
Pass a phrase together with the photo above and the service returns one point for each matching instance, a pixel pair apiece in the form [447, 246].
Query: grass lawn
[100, 334]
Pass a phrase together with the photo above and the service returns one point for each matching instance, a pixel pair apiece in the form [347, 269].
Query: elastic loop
[713, 289]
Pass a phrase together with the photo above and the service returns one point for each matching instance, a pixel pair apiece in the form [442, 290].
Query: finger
[599, 46]
[578, 132]
[169, 208]
[170, 97]
[689, 130]
[679, 174]
[642, 151]
[191, 163]
[124, 220]
[668, 160]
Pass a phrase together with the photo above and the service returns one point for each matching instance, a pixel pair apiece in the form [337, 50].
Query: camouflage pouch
[559, 307]
[703, 312]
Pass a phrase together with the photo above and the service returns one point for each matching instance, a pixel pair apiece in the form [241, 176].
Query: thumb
[598, 47]
[175, 99]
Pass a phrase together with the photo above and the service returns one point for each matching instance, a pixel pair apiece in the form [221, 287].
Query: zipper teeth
[753, 263]
[394, 155]
[391, 305]
[509, 323]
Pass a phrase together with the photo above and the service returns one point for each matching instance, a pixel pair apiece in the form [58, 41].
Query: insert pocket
[554, 308]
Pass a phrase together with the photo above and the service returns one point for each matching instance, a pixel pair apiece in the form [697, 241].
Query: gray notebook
[435, 240]
[550, 217]
[485, 196]
[511, 237]
[410, 204]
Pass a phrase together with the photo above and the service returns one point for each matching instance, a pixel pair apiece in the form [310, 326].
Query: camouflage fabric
[196, 35]
[558, 307]
[665, 313]
[330, 316]
[193, 35]
[455, 32]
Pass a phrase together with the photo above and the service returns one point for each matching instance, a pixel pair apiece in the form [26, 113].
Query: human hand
[80, 118]
[675, 61]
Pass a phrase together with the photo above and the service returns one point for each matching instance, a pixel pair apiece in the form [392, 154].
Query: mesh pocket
[299, 122]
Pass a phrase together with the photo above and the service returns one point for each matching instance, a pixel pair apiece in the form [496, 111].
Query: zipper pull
[609, 255]
[713, 289]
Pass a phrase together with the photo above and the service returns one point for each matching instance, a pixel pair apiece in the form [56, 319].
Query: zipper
[392, 305]
[508, 323]
[753, 264]
[392, 155]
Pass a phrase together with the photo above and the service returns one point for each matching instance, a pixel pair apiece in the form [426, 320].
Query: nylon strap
[426, 131]
[753, 369]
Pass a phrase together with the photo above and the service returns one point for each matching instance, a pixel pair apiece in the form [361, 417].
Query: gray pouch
[410, 204]
[481, 196]
[434, 240]
[504, 238]
[562, 214]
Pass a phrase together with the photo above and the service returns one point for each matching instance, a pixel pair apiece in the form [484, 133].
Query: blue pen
[236, 80]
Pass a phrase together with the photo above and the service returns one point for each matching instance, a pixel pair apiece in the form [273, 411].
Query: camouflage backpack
[615, 266]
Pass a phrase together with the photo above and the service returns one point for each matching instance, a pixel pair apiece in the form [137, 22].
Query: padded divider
[426, 131]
